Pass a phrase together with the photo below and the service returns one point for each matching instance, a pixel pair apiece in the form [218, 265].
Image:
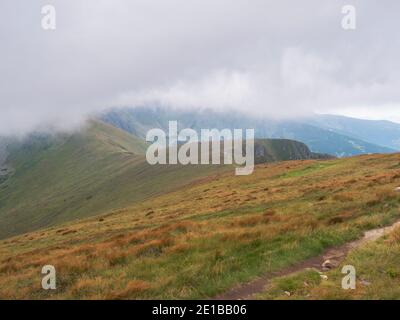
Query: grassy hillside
[65, 177]
[206, 238]
[51, 179]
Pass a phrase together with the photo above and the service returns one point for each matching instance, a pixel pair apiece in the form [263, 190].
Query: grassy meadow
[222, 230]
[377, 276]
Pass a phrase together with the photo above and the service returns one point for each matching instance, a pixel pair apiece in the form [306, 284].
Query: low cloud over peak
[279, 59]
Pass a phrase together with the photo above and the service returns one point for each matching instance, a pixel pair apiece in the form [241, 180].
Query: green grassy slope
[66, 177]
[53, 179]
[270, 150]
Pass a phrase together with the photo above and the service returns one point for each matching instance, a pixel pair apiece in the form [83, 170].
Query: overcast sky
[275, 58]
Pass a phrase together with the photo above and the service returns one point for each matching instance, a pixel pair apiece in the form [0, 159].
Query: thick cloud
[276, 58]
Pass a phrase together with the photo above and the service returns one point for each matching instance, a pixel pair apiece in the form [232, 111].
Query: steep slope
[64, 177]
[139, 120]
[49, 179]
[3, 151]
[270, 150]
[206, 238]
[5, 170]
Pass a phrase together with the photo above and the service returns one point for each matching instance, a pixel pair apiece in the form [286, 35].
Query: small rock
[327, 265]
[397, 189]
[324, 277]
[287, 293]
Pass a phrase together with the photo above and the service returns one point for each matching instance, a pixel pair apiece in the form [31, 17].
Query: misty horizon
[279, 61]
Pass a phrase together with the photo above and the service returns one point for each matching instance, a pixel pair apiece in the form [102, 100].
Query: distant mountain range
[383, 133]
[335, 135]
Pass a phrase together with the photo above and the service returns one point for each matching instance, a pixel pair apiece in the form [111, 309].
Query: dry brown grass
[132, 289]
[344, 196]
[394, 237]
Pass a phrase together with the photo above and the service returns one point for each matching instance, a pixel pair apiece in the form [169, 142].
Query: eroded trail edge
[331, 258]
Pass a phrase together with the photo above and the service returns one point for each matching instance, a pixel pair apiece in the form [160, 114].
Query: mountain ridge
[321, 140]
[380, 132]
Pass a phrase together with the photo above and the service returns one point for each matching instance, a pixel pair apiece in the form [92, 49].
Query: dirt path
[334, 255]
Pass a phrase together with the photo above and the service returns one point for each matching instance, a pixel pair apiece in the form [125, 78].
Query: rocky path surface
[330, 259]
